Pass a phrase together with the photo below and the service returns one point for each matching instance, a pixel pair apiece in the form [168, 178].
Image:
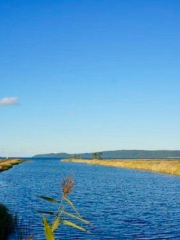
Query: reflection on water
[121, 203]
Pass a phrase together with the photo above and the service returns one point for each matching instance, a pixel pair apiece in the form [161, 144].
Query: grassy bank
[8, 163]
[160, 166]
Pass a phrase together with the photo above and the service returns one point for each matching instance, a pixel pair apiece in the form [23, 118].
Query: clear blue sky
[89, 75]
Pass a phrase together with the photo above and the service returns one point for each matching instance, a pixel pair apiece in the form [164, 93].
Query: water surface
[121, 203]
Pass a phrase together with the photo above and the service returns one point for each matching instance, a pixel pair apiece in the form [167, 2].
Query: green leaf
[73, 225]
[76, 217]
[71, 205]
[47, 229]
[55, 224]
[49, 199]
[46, 212]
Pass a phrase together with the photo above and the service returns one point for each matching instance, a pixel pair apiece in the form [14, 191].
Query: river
[121, 203]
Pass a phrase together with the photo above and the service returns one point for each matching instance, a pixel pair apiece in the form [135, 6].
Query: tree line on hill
[96, 155]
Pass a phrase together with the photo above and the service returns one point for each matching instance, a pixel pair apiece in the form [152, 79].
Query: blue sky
[89, 75]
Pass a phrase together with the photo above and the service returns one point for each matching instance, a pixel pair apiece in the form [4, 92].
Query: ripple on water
[121, 203]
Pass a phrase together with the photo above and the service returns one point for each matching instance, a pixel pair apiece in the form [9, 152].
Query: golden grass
[160, 166]
[6, 164]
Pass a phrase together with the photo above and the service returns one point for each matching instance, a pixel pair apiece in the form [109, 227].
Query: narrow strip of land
[6, 164]
[155, 165]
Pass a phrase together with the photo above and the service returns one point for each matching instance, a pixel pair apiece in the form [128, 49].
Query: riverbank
[6, 164]
[155, 165]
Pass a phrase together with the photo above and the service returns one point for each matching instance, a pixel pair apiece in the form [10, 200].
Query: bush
[6, 223]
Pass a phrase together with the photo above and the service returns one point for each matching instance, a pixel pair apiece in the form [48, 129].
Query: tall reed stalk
[61, 216]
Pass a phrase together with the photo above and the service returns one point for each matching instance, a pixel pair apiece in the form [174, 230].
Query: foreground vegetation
[60, 217]
[160, 166]
[6, 164]
[7, 223]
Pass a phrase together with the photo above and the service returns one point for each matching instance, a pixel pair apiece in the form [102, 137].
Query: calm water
[121, 203]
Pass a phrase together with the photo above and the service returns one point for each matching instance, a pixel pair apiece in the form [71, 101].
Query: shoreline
[6, 164]
[155, 165]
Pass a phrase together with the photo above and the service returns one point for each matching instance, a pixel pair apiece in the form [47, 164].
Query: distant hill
[53, 155]
[119, 154]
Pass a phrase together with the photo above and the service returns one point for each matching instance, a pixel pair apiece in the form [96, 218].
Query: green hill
[120, 154]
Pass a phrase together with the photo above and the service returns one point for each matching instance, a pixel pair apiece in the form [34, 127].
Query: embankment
[155, 165]
[6, 164]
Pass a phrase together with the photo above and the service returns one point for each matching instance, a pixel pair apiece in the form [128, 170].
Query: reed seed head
[67, 185]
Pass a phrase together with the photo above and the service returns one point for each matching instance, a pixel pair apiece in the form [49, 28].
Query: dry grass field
[155, 165]
[5, 164]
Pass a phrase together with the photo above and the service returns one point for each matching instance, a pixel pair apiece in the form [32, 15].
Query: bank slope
[160, 166]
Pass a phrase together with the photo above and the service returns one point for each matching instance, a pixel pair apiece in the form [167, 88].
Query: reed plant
[61, 216]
